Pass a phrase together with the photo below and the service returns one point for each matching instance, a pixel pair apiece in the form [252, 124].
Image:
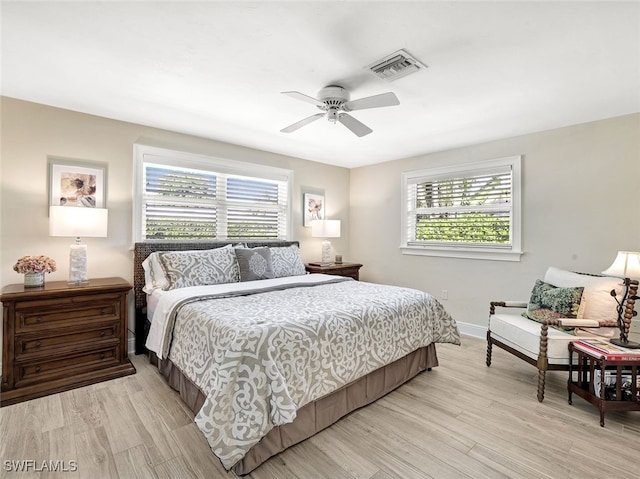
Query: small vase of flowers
[34, 268]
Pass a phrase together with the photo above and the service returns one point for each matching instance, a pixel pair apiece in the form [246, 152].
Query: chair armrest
[578, 323]
[506, 304]
[602, 323]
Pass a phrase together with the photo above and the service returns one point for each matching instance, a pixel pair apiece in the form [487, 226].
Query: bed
[270, 358]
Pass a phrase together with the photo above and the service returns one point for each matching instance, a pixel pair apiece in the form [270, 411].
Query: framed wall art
[312, 207]
[77, 183]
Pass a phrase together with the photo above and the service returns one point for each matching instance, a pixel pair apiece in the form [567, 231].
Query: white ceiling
[216, 69]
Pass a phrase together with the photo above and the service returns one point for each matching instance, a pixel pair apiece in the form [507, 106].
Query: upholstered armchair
[543, 341]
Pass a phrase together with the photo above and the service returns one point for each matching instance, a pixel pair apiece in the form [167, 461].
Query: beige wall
[581, 187]
[31, 132]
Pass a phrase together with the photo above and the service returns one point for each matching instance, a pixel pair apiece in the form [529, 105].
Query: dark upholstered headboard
[140, 253]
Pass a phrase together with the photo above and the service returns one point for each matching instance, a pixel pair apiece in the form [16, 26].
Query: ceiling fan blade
[358, 128]
[301, 96]
[375, 101]
[301, 123]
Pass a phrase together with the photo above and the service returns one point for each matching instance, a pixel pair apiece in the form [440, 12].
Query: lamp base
[78, 264]
[625, 344]
[326, 253]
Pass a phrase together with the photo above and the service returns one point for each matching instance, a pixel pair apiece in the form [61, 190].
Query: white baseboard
[469, 329]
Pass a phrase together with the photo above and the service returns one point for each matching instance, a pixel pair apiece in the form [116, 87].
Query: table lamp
[78, 221]
[325, 229]
[625, 266]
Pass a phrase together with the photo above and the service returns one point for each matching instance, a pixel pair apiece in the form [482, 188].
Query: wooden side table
[350, 270]
[62, 336]
[592, 368]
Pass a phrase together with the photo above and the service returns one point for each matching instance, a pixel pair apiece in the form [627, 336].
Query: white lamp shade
[626, 265]
[78, 221]
[325, 228]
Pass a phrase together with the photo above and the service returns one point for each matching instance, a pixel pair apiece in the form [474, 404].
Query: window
[467, 211]
[181, 196]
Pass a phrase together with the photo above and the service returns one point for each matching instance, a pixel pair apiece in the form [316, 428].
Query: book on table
[606, 350]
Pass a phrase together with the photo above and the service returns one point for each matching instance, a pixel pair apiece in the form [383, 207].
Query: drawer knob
[102, 333]
[38, 319]
[101, 355]
[103, 311]
[38, 344]
[37, 369]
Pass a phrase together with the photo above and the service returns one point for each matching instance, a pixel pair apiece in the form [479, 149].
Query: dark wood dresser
[351, 270]
[63, 336]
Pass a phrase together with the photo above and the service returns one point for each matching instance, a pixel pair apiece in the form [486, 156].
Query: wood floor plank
[135, 463]
[121, 421]
[195, 450]
[342, 449]
[176, 467]
[308, 461]
[95, 458]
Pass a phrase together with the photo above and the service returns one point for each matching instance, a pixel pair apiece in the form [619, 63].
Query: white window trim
[163, 156]
[511, 252]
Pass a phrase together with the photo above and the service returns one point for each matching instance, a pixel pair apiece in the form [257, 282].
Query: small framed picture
[313, 207]
[77, 183]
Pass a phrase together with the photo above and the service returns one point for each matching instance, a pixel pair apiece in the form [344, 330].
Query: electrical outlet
[445, 294]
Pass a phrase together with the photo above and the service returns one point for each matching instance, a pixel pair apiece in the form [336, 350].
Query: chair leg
[543, 363]
[489, 349]
[541, 379]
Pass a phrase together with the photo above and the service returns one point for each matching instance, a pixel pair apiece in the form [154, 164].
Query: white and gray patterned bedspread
[259, 357]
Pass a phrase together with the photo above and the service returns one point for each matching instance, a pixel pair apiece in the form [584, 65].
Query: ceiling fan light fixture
[396, 65]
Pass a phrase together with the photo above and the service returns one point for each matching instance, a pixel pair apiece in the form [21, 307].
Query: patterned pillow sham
[254, 263]
[154, 275]
[550, 302]
[200, 267]
[287, 261]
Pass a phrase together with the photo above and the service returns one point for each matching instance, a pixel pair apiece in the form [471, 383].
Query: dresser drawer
[60, 340]
[48, 369]
[56, 313]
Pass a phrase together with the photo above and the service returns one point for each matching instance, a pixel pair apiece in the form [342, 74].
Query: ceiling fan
[334, 102]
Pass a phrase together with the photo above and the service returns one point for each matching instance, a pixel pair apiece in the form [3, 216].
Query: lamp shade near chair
[325, 229]
[625, 266]
[77, 221]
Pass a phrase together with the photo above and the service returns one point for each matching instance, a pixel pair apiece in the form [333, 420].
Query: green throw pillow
[550, 302]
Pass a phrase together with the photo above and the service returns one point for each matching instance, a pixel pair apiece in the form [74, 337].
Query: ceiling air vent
[396, 65]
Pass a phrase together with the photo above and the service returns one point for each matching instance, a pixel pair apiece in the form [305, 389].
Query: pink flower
[35, 264]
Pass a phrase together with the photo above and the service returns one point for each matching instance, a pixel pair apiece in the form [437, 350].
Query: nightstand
[63, 336]
[350, 270]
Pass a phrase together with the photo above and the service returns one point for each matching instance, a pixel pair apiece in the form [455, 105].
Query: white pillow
[597, 302]
[154, 276]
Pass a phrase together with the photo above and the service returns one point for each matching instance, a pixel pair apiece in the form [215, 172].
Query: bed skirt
[319, 414]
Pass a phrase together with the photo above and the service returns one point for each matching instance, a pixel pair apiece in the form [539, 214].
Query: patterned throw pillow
[287, 261]
[200, 267]
[550, 302]
[254, 263]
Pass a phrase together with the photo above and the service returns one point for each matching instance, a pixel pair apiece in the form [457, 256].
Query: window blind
[473, 208]
[181, 203]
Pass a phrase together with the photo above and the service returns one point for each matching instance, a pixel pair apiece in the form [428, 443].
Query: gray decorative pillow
[254, 263]
[200, 267]
[287, 261]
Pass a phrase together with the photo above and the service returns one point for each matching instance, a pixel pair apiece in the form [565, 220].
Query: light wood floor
[461, 420]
